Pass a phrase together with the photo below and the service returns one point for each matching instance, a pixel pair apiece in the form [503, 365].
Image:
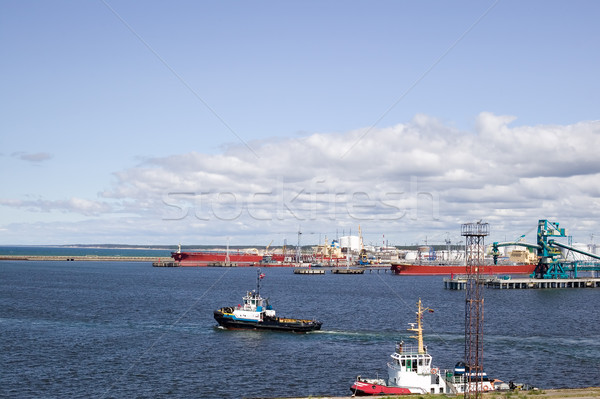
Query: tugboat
[411, 371]
[257, 314]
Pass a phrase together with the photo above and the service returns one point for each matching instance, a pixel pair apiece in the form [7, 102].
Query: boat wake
[361, 335]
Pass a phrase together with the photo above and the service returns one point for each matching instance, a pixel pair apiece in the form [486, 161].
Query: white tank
[350, 242]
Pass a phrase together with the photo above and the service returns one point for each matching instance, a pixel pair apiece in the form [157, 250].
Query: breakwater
[82, 258]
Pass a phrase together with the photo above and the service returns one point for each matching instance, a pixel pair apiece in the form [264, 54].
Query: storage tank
[411, 255]
[350, 242]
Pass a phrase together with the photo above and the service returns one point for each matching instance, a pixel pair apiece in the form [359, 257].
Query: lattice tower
[474, 234]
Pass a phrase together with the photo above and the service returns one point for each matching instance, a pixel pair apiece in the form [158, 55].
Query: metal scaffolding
[474, 254]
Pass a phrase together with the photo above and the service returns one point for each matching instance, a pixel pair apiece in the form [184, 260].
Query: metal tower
[299, 248]
[474, 252]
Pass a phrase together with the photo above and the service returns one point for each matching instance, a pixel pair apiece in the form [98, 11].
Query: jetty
[309, 271]
[166, 263]
[460, 283]
[348, 271]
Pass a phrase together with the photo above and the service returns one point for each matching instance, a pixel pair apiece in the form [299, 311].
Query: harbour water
[130, 330]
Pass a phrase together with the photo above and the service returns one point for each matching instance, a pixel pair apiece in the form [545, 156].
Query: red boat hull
[441, 270]
[366, 389]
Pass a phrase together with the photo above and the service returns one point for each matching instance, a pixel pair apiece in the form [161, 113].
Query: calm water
[128, 330]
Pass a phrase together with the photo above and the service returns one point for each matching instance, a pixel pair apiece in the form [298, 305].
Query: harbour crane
[551, 263]
[362, 257]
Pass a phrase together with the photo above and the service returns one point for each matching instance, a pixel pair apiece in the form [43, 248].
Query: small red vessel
[372, 388]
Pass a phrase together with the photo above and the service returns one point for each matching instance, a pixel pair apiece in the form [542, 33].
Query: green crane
[551, 263]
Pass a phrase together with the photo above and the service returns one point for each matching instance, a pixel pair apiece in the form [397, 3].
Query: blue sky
[167, 122]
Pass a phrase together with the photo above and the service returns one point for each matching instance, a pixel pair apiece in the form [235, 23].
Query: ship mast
[258, 281]
[419, 328]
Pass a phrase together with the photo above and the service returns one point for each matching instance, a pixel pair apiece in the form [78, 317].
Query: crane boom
[570, 248]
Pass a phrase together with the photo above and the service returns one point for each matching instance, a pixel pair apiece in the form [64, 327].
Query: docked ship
[411, 371]
[256, 313]
[426, 261]
[254, 257]
[211, 258]
[441, 269]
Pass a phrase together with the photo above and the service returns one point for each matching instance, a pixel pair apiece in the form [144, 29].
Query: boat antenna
[419, 328]
[259, 276]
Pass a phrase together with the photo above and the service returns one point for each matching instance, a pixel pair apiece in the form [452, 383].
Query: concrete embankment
[579, 393]
[93, 258]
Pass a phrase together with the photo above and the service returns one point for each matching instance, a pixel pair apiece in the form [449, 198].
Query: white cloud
[72, 205]
[407, 181]
[35, 157]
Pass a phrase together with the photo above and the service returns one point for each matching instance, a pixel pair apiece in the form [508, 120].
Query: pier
[309, 271]
[348, 271]
[162, 263]
[459, 283]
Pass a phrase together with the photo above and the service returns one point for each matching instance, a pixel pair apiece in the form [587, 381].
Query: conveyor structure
[551, 262]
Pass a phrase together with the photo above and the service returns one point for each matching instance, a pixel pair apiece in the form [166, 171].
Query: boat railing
[408, 349]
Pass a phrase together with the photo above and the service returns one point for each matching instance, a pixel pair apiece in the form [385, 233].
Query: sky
[245, 122]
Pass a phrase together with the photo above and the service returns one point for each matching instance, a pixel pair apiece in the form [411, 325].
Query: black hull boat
[257, 314]
[226, 318]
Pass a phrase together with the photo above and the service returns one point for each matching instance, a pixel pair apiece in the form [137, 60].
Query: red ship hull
[209, 258]
[442, 270]
[366, 389]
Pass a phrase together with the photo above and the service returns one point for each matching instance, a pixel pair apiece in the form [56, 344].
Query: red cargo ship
[227, 258]
[408, 269]
[209, 258]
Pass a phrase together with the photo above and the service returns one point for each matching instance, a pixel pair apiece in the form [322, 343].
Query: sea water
[129, 330]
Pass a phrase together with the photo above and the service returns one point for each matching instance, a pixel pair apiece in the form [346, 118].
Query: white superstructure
[411, 371]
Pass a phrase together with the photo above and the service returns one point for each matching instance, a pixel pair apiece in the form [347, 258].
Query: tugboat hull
[367, 389]
[228, 320]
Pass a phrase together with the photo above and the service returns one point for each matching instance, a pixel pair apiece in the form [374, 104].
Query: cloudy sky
[196, 121]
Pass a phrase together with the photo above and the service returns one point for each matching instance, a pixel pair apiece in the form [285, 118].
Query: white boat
[411, 371]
